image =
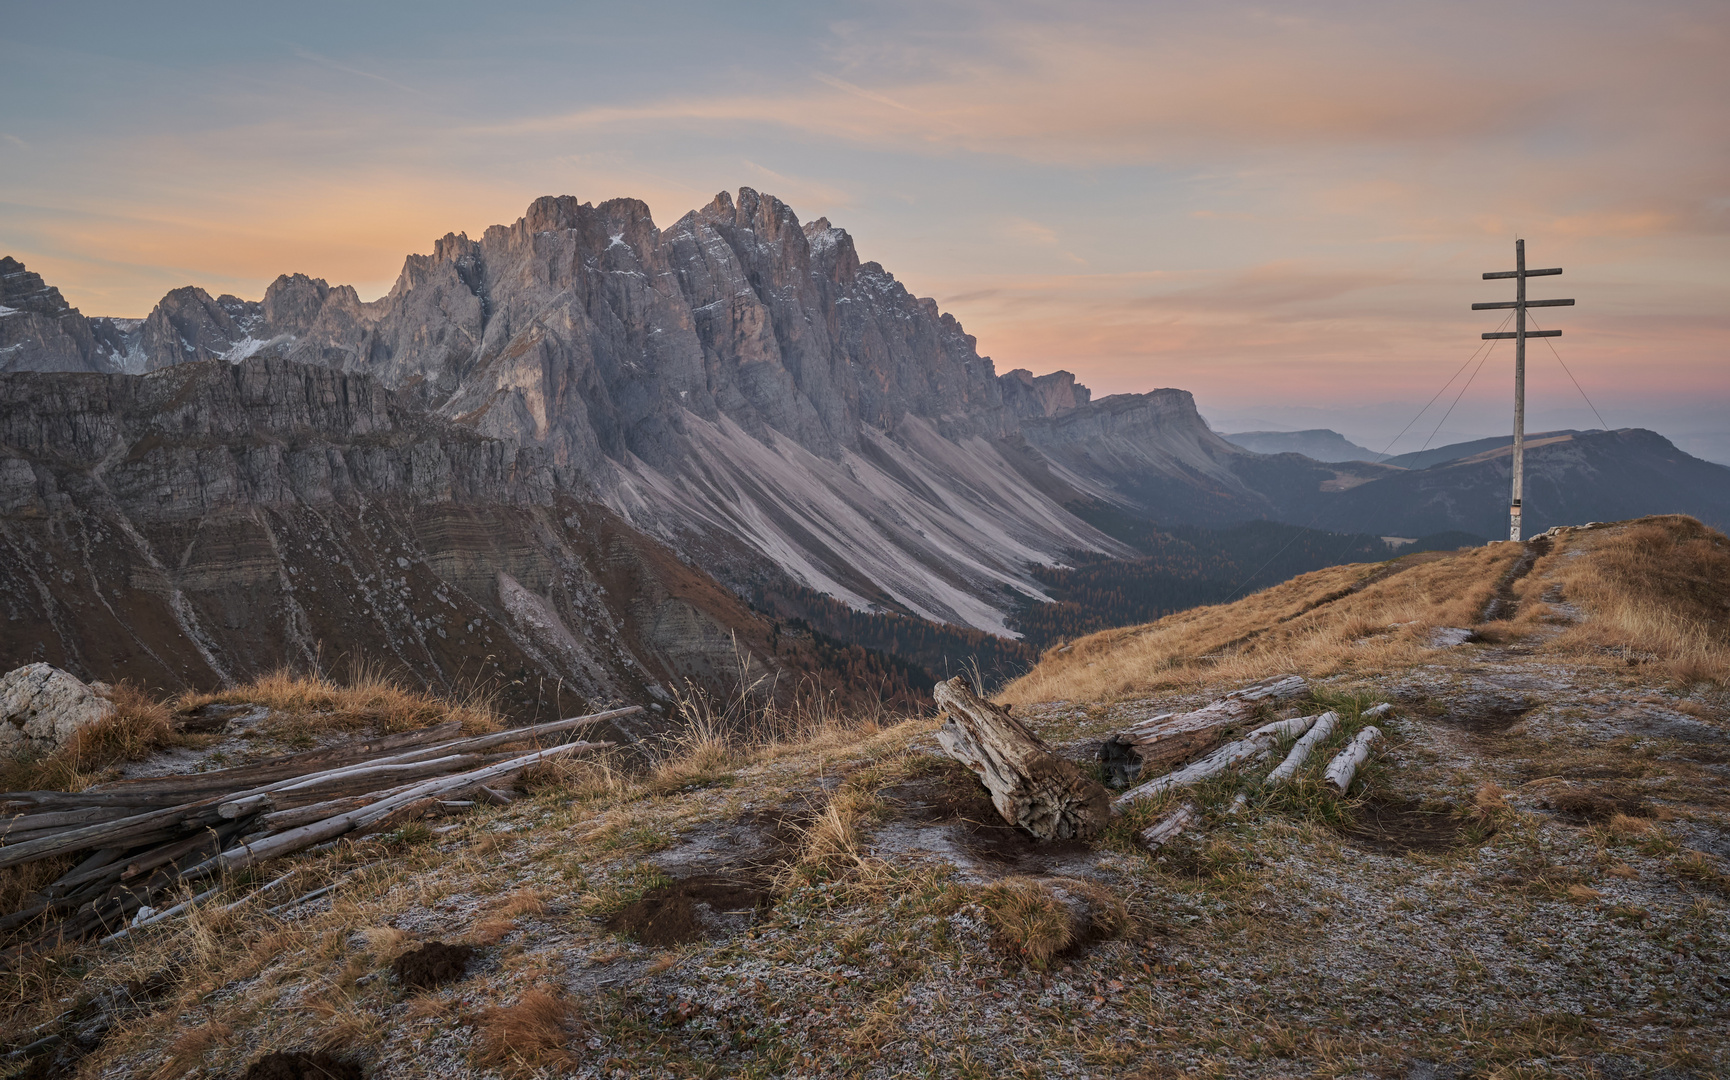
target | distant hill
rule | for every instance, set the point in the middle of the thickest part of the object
(1321, 444)
(1571, 478)
(1423, 459)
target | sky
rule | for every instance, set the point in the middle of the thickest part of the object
(1284, 209)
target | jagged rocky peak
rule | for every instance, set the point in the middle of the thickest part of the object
(186, 326)
(293, 301)
(40, 331)
(1027, 394)
(23, 290)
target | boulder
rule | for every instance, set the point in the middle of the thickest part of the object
(42, 707)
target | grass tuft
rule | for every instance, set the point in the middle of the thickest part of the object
(530, 1035)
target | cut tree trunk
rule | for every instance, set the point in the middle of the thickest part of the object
(1300, 751)
(1256, 742)
(1345, 764)
(1162, 742)
(1031, 787)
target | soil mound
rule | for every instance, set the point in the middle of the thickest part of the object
(1399, 827)
(687, 910)
(300, 1066)
(433, 964)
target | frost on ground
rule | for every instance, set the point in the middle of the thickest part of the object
(1532, 883)
(1530, 879)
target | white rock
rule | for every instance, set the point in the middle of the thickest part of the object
(42, 707)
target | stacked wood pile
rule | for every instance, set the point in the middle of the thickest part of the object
(147, 837)
(1161, 742)
(1053, 799)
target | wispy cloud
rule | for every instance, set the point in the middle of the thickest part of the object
(333, 65)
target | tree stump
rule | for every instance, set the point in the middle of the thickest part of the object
(1163, 742)
(1031, 787)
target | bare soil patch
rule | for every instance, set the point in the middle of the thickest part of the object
(301, 1066)
(1598, 804)
(1402, 826)
(1504, 604)
(953, 797)
(432, 965)
(1486, 714)
(697, 907)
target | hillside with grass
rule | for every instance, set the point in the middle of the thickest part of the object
(1530, 876)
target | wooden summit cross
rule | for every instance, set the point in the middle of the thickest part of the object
(1520, 334)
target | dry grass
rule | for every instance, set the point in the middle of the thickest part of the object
(1657, 587)
(138, 726)
(1362, 617)
(530, 1035)
(1029, 918)
(311, 703)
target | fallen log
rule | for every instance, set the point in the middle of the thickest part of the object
(19, 827)
(285, 843)
(1162, 742)
(1169, 826)
(297, 816)
(1030, 786)
(1256, 742)
(1345, 764)
(1300, 751)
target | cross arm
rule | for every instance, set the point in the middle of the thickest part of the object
(1528, 333)
(1523, 303)
(1517, 273)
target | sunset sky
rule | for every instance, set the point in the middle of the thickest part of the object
(1285, 209)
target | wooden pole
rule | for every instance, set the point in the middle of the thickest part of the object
(1514, 533)
(1520, 334)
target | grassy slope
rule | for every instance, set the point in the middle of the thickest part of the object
(1562, 914)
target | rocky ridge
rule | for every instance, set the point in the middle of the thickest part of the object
(210, 522)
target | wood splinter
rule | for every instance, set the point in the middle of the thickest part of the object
(1256, 742)
(1171, 825)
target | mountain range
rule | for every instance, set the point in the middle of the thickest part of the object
(1321, 444)
(587, 438)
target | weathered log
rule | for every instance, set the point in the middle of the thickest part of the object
(1345, 764)
(533, 731)
(252, 804)
(1030, 786)
(18, 827)
(160, 856)
(1256, 742)
(1377, 711)
(1162, 742)
(1300, 751)
(1169, 826)
(305, 836)
(297, 816)
(101, 834)
(289, 766)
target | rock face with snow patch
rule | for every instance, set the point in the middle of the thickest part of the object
(42, 708)
(40, 331)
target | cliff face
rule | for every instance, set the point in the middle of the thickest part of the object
(211, 522)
